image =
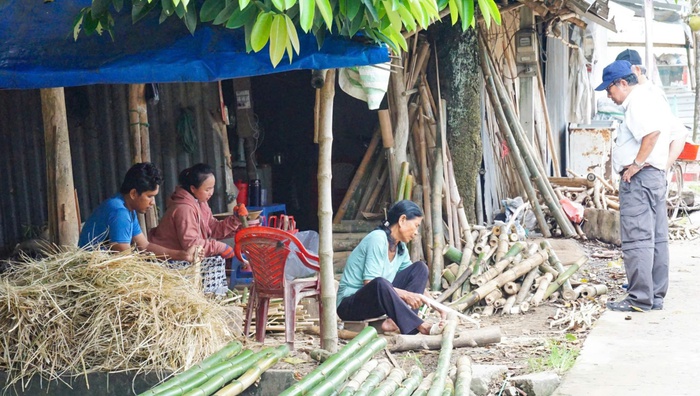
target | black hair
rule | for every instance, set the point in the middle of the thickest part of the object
(400, 208)
(142, 177)
(194, 176)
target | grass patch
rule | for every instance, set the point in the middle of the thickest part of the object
(560, 357)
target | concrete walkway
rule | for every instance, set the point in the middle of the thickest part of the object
(655, 353)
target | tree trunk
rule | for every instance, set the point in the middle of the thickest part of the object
(63, 217)
(460, 82)
(329, 328)
(462, 339)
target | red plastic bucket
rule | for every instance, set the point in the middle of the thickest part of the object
(242, 197)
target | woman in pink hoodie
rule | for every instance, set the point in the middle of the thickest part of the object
(189, 221)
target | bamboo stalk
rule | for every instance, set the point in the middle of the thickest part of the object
(427, 194)
(512, 145)
(594, 290)
(388, 144)
(391, 383)
(561, 280)
(401, 182)
(236, 387)
(411, 383)
(508, 306)
(355, 183)
(545, 280)
(436, 200)
(448, 334)
(500, 265)
(371, 185)
(359, 377)
(341, 373)
(536, 168)
(548, 127)
(374, 379)
(424, 386)
(464, 376)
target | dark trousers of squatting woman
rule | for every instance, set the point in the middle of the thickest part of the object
(378, 298)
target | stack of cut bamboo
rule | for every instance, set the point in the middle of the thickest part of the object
(590, 191)
(503, 273)
(275, 317)
(678, 231)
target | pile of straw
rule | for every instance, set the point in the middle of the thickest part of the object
(78, 312)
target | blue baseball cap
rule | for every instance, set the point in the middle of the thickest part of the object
(615, 71)
(630, 55)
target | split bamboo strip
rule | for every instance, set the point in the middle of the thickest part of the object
(520, 167)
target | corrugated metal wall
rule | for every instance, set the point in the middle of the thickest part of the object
(98, 123)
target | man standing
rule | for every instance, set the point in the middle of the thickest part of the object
(114, 223)
(640, 156)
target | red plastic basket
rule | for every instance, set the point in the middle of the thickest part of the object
(690, 152)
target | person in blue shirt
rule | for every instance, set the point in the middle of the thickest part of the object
(380, 279)
(115, 225)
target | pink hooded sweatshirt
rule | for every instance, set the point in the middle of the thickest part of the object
(188, 222)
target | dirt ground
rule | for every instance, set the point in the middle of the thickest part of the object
(527, 338)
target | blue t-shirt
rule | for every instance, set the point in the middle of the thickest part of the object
(111, 222)
(369, 260)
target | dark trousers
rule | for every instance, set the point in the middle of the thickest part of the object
(378, 298)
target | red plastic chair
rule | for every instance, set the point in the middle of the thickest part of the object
(266, 250)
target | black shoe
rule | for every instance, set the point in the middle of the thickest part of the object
(623, 306)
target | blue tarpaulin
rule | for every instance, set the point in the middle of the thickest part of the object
(38, 50)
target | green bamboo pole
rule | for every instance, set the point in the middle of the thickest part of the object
(322, 371)
(229, 350)
(464, 376)
(359, 377)
(564, 277)
(499, 266)
(424, 387)
(443, 367)
(390, 384)
(240, 360)
(408, 190)
(517, 158)
(237, 386)
(403, 172)
(221, 378)
(341, 373)
(374, 379)
(567, 290)
(449, 388)
(436, 208)
(411, 382)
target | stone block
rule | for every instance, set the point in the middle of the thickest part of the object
(537, 384)
(483, 375)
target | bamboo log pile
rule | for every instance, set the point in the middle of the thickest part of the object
(591, 191)
(275, 317)
(506, 276)
(678, 231)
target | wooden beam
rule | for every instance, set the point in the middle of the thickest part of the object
(63, 219)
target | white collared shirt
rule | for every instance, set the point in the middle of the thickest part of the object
(645, 112)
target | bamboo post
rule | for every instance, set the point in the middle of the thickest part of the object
(567, 290)
(400, 110)
(515, 151)
(436, 200)
(427, 194)
(548, 127)
(355, 183)
(63, 220)
(443, 367)
(401, 181)
(388, 144)
(329, 329)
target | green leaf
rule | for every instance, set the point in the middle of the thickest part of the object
(184, 3)
(210, 9)
(225, 14)
(243, 4)
(320, 35)
(324, 7)
(175, 2)
(289, 4)
(100, 6)
(395, 22)
(570, 337)
(495, 13)
(191, 17)
(240, 18)
(372, 11)
(454, 12)
(356, 24)
(279, 4)
(248, 29)
(408, 20)
(385, 39)
(289, 50)
(343, 7)
(430, 8)
(261, 31)
(180, 10)
(485, 12)
(352, 9)
(168, 7)
(397, 38)
(467, 13)
(292, 34)
(278, 39)
(78, 23)
(141, 8)
(89, 23)
(306, 14)
(417, 11)
(118, 4)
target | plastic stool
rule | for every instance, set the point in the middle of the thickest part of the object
(238, 276)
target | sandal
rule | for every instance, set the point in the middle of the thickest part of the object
(624, 306)
(437, 328)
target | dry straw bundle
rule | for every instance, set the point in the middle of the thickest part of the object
(84, 311)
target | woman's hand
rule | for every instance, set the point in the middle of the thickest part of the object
(412, 299)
